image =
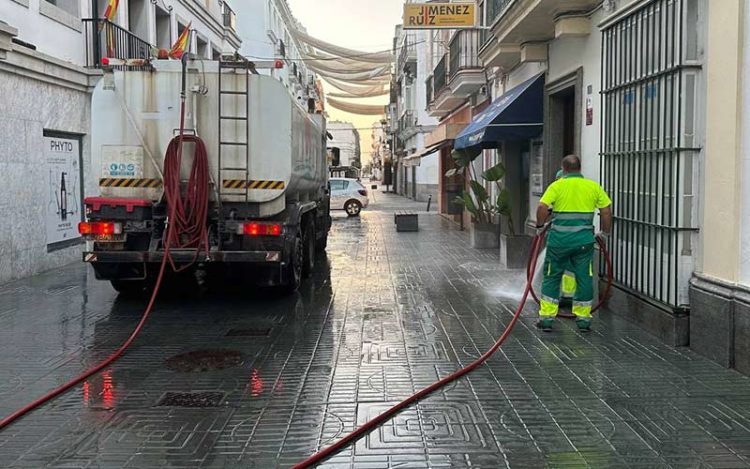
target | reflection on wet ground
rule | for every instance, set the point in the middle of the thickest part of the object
(250, 379)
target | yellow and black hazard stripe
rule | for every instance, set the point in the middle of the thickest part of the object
(263, 185)
(131, 183)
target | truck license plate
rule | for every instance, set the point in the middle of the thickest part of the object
(108, 238)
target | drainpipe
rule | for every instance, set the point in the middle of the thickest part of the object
(95, 33)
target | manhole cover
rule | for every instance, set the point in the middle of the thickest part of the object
(261, 332)
(204, 360)
(191, 399)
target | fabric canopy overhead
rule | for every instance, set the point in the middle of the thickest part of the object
(331, 66)
(517, 114)
(354, 92)
(358, 90)
(384, 57)
(361, 109)
(357, 87)
(368, 94)
(351, 77)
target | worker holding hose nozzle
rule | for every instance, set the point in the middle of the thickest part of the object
(568, 285)
(570, 243)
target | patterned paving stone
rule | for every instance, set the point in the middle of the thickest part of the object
(385, 314)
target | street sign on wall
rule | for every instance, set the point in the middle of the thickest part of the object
(440, 15)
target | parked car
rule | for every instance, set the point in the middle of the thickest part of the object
(348, 194)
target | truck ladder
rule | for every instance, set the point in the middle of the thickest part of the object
(236, 66)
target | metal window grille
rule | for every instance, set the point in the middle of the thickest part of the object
(648, 147)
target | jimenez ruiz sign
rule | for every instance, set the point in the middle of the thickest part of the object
(440, 15)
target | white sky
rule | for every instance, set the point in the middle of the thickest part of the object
(356, 24)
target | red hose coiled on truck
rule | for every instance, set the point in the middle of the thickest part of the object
(188, 213)
(186, 228)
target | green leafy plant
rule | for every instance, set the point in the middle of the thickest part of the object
(477, 202)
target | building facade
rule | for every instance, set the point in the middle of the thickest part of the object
(345, 144)
(416, 168)
(651, 95)
(266, 28)
(50, 52)
(455, 91)
(380, 149)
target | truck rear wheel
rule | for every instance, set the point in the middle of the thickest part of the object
(129, 287)
(293, 271)
(308, 240)
(322, 243)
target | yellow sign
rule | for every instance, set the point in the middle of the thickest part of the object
(440, 15)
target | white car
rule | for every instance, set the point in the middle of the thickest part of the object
(348, 194)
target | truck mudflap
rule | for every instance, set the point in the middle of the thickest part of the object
(183, 257)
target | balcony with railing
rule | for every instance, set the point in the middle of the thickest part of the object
(106, 39)
(407, 54)
(514, 23)
(458, 75)
(229, 17)
(440, 76)
(429, 88)
(407, 125)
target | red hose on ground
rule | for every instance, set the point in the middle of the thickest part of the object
(186, 229)
(352, 437)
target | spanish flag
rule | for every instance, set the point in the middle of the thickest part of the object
(111, 10)
(181, 45)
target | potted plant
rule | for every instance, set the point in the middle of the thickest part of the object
(484, 212)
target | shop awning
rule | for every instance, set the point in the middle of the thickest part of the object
(518, 114)
(414, 159)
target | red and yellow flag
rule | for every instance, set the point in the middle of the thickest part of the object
(181, 45)
(111, 10)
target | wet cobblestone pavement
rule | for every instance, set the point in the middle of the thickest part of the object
(273, 379)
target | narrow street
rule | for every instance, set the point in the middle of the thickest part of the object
(273, 379)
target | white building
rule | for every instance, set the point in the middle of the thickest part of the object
(345, 143)
(379, 149)
(49, 51)
(416, 170)
(266, 27)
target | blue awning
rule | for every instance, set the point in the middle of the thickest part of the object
(518, 114)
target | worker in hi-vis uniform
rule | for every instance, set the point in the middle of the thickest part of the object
(568, 285)
(570, 242)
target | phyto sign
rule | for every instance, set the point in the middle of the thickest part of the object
(440, 15)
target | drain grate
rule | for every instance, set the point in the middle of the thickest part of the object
(191, 399)
(257, 332)
(204, 360)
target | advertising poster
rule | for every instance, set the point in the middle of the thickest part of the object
(63, 158)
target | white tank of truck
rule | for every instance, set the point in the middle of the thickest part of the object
(264, 148)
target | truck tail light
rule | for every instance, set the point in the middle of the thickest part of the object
(99, 228)
(261, 229)
(363, 192)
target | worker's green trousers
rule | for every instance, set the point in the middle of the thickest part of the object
(577, 259)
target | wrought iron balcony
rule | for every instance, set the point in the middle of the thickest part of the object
(229, 17)
(407, 125)
(440, 76)
(408, 54)
(106, 39)
(494, 9)
(429, 87)
(458, 74)
(464, 50)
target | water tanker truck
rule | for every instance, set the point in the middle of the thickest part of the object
(267, 190)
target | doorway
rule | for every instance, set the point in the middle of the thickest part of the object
(562, 129)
